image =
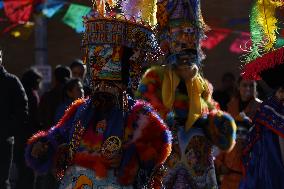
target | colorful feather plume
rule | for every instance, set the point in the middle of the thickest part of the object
(130, 8)
(148, 11)
(141, 9)
(263, 26)
(267, 21)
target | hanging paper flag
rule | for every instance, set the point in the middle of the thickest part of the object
(51, 7)
(23, 31)
(18, 11)
(74, 16)
(8, 28)
(214, 37)
(50, 12)
(241, 43)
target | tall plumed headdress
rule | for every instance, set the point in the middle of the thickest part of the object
(265, 58)
(119, 40)
(180, 30)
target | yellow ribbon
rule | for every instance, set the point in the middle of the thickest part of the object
(196, 88)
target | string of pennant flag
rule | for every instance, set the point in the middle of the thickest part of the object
(18, 13)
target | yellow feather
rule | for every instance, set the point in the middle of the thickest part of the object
(266, 19)
(148, 11)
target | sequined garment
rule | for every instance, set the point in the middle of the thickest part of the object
(262, 157)
(190, 164)
(80, 144)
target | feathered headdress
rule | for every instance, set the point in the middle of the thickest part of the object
(119, 40)
(265, 57)
(263, 27)
(144, 10)
(180, 28)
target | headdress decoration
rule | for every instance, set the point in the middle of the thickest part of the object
(180, 27)
(143, 9)
(263, 26)
(188, 56)
(115, 41)
(266, 57)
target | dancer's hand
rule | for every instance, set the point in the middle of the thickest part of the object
(39, 149)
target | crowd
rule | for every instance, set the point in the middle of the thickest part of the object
(106, 123)
(26, 110)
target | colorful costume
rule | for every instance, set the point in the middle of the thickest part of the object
(185, 104)
(190, 164)
(263, 156)
(109, 125)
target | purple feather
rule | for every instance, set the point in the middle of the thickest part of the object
(130, 8)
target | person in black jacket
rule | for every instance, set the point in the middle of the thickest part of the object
(13, 117)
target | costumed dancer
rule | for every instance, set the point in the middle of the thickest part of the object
(182, 96)
(264, 153)
(107, 140)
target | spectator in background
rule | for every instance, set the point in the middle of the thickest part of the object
(47, 108)
(244, 103)
(72, 91)
(78, 69)
(31, 80)
(227, 90)
(53, 98)
(245, 99)
(13, 119)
